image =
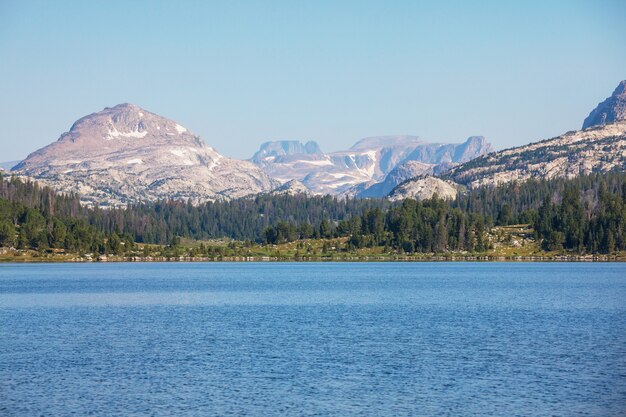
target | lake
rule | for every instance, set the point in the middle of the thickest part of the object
(202, 339)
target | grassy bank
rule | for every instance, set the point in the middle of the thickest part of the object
(509, 243)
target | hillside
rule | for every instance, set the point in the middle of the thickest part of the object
(597, 149)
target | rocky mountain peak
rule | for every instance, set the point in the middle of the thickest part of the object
(127, 122)
(127, 154)
(477, 141)
(285, 148)
(474, 146)
(292, 187)
(611, 110)
(620, 90)
(126, 106)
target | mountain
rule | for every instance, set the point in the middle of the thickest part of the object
(600, 147)
(125, 154)
(367, 163)
(424, 188)
(611, 110)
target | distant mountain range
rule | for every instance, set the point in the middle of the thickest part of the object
(370, 168)
(125, 154)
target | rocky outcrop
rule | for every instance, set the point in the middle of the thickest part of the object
(293, 187)
(613, 109)
(125, 154)
(425, 188)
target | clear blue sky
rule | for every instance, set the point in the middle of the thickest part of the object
(239, 73)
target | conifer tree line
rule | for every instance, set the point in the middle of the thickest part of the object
(586, 214)
(32, 217)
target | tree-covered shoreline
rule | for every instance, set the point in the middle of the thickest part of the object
(585, 215)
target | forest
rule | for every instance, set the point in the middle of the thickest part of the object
(32, 217)
(584, 215)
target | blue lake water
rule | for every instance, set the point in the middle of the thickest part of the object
(202, 339)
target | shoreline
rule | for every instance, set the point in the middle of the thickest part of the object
(355, 259)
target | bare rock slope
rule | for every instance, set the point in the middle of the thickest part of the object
(424, 188)
(293, 187)
(125, 154)
(597, 149)
(613, 109)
